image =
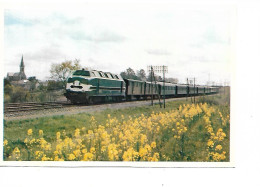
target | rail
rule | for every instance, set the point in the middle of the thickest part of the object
(30, 106)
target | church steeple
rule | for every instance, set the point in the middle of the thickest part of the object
(22, 66)
(22, 74)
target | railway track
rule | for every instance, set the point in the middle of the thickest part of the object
(14, 111)
(32, 106)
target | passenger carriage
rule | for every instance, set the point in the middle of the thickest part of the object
(170, 89)
(200, 90)
(181, 90)
(192, 90)
(134, 89)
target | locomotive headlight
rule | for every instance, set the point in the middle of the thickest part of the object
(76, 83)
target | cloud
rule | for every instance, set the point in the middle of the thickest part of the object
(113, 38)
(47, 53)
(104, 36)
(158, 52)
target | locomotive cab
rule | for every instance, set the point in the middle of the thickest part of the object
(94, 86)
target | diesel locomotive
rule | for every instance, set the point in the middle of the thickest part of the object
(92, 86)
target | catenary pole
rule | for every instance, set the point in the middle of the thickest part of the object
(163, 88)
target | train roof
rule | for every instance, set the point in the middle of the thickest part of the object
(166, 84)
(133, 80)
(96, 74)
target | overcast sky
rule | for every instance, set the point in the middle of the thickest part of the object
(193, 41)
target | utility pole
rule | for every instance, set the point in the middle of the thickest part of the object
(163, 87)
(159, 69)
(194, 90)
(187, 89)
(152, 84)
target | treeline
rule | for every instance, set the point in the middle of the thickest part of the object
(36, 92)
(141, 75)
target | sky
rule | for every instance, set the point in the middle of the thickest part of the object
(193, 41)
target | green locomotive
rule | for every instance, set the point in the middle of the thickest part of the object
(91, 86)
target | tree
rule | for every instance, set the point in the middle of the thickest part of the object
(33, 83)
(54, 85)
(172, 80)
(141, 74)
(154, 77)
(6, 82)
(129, 74)
(60, 72)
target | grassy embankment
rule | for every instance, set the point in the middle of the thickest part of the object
(181, 132)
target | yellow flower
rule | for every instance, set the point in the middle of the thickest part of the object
(32, 141)
(29, 132)
(142, 152)
(92, 150)
(58, 135)
(130, 155)
(59, 148)
(25, 141)
(71, 157)
(16, 153)
(5, 142)
(84, 151)
(38, 154)
(77, 153)
(44, 158)
(210, 143)
(155, 157)
(40, 132)
(87, 157)
(153, 145)
(218, 148)
(77, 133)
(16, 150)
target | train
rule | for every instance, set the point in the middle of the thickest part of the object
(92, 86)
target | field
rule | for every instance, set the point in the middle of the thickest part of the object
(184, 131)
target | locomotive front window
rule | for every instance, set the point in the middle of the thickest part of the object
(70, 80)
(106, 75)
(82, 73)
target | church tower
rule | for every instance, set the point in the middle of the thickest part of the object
(22, 74)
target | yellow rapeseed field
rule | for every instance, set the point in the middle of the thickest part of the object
(163, 136)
